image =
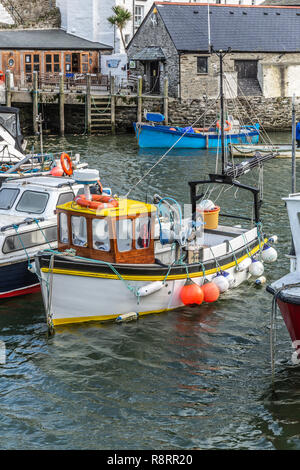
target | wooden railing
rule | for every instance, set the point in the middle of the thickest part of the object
(72, 82)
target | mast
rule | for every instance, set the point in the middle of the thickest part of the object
(293, 146)
(222, 112)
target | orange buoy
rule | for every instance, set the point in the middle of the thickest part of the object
(66, 167)
(211, 292)
(57, 171)
(172, 129)
(191, 293)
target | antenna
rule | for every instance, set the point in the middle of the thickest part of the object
(208, 23)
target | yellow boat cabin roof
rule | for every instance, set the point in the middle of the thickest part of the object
(126, 207)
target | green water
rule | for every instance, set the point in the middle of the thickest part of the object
(195, 378)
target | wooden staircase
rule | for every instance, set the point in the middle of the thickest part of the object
(101, 114)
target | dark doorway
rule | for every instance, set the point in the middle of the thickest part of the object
(154, 77)
(76, 63)
(247, 82)
(246, 68)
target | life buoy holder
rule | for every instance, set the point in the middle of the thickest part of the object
(67, 168)
(97, 202)
(226, 129)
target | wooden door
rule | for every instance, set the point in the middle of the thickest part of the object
(154, 77)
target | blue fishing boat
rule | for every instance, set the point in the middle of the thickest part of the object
(156, 135)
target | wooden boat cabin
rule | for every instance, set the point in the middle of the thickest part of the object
(122, 234)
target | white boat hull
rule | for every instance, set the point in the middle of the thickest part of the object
(79, 298)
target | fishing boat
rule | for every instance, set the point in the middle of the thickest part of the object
(242, 151)
(28, 224)
(135, 258)
(153, 134)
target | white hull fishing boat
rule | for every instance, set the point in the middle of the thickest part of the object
(130, 259)
(281, 150)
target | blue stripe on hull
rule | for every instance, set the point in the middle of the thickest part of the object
(16, 276)
(159, 137)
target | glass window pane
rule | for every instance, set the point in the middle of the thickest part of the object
(85, 58)
(63, 228)
(7, 198)
(124, 234)
(29, 239)
(64, 198)
(79, 231)
(48, 58)
(36, 58)
(201, 64)
(56, 57)
(28, 68)
(142, 232)
(36, 67)
(48, 68)
(101, 239)
(28, 58)
(68, 67)
(56, 67)
(33, 202)
(85, 67)
(68, 57)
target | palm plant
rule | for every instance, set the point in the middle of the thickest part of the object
(120, 19)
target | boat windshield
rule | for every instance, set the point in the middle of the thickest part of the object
(33, 202)
(8, 197)
(10, 122)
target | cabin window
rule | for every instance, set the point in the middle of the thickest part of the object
(101, 239)
(79, 230)
(202, 65)
(64, 198)
(29, 239)
(63, 228)
(8, 197)
(33, 202)
(142, 232)
(124, 234)
(84, 63)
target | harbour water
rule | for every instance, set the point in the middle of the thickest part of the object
(195, 378)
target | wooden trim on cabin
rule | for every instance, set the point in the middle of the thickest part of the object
(134, 256)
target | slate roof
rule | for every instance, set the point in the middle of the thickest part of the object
(149, 53)
(243, 28)
(54, 39)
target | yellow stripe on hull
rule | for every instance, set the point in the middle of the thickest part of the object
(64, 321)
(68, 272)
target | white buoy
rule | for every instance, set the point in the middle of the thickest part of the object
(230, 278)
(269, 254)
(221, 282)
(150, 288)
(243, 265)
(126, 317)
(260, 280)
(273, 239)
(256, 268)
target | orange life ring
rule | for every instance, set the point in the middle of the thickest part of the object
(226, 129)
(67, 169)
(98, 201)
(2, 77)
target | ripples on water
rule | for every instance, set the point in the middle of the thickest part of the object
(195, 378)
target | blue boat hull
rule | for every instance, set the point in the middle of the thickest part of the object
(16, 279)
(162, 137)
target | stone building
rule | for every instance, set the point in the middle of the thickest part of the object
(175, 40)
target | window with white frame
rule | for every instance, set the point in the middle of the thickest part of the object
(138, 15)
